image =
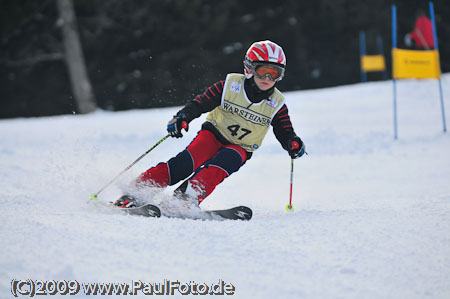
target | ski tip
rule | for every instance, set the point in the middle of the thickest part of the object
(147, 210)
(236, 213)
(244, 213)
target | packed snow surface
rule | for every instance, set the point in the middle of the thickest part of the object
(371, 219)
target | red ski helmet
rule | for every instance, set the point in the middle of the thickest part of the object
(265, 53)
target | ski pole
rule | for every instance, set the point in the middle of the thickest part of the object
(290, 207)
(94, 195)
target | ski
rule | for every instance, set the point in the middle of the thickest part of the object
(151, 210)
(236, 213)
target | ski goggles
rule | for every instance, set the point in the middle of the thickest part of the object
(272, 71)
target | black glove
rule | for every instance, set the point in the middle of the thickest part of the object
(177, 123)
(296, 148)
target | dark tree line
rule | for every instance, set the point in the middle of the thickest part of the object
(155, 53)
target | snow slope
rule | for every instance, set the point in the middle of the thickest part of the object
(371, 219)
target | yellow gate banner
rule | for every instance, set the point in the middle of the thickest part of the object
(418, 64)
(372, 63)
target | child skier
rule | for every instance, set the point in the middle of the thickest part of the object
(241, 109)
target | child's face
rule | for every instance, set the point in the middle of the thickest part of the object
(264, 84)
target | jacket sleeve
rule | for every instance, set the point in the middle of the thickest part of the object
(205, 102)
(282, 127)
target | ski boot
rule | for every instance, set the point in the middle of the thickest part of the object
(187, 195)
(125, 202)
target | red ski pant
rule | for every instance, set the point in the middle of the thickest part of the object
(206, 160)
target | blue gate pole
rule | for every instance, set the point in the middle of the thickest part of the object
(437, 49)
(362, 52)
(394, 45)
